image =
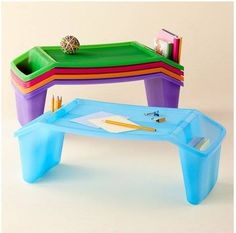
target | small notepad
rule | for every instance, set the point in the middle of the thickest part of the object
(200, 143)
(84, 120)
(100, 122)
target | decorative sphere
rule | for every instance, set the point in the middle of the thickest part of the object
(70, 44)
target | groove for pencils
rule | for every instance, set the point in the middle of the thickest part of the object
(145, 128)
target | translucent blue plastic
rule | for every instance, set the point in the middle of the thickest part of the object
(41, 140)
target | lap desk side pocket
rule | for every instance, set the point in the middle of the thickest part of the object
(41, 140)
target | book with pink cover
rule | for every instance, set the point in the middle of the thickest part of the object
(171, 38)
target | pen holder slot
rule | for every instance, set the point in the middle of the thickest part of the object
(32, 61)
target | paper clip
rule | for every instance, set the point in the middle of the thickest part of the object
(155, 113)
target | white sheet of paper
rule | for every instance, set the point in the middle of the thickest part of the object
(100, 122)
(84, 120)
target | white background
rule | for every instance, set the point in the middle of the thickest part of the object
(117, 186)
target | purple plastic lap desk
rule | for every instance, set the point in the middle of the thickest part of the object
(160, 91)
(41, 140)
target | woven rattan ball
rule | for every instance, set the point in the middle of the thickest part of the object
(70, 44)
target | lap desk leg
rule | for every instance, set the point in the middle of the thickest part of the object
(40, 151)
(162, 93)
(200, 174)
(29, 108)
(200, 168)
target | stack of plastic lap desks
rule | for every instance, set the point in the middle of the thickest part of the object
(41, 140)
(42, 67)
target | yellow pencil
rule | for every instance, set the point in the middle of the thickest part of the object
(145, 128)
(52, 104)
(60, 102)
(56, 104)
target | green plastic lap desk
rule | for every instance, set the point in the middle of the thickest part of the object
(41, 59)
(41, 140)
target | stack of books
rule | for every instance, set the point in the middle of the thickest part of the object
(168, 45)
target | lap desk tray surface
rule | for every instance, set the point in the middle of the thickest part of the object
(41, 140)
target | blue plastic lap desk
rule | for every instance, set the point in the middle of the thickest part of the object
(41, 140)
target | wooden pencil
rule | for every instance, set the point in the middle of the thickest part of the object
(56, 104)
(145, 128)
(52, 104)
(60, 102)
